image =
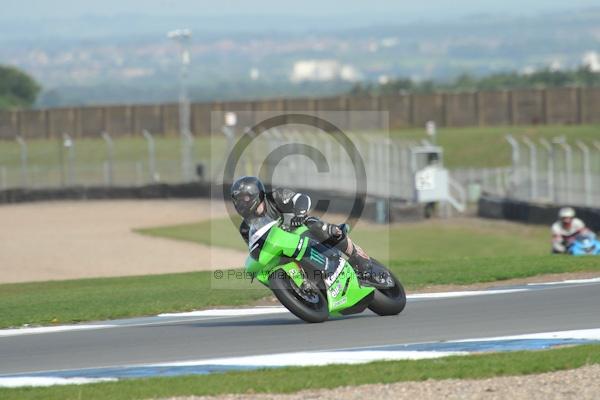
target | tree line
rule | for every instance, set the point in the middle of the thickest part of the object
(17, 88)
(582, 76)
(20, 90)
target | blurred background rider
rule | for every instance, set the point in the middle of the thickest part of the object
(566, 229)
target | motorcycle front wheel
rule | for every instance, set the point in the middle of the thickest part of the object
(308, 303)
(389, 301)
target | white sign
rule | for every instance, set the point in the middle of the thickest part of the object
(430, 128)
(230, 119)
(425, 179)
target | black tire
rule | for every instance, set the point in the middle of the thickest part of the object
(388, 301)
(288, 293)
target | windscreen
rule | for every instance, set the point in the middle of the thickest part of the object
(259, 226)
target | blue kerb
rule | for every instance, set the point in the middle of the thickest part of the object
(155, 371)
(481, 346)
(139, 372)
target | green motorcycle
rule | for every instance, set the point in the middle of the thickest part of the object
(314, 281)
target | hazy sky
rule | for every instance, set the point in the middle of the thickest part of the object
(370, 10)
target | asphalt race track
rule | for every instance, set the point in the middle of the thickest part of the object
(177, 338)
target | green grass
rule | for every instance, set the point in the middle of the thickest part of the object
(286, 380)
(47, 158)
(47, 152)
(467, 271)
(487, 146)
(110, 298)
(463, 147)
(431, 253)
(436, 239)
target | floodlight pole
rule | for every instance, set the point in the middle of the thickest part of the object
(182, 37)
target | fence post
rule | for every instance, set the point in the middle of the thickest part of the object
(499, 186)
(109, 172)
(69, 144)
(515, 156)
(550, 172)
(187, 143)
(587, 174)
(3, 178)
(154, 177)
(562, 142)
(596, 144)
(139, 171)
(24, 161)
(532, 166)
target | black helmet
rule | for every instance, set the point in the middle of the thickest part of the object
(247, 193)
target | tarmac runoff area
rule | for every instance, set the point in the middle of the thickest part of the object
(528, 317)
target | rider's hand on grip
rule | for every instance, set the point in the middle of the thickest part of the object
(290, 220)
(297, 220)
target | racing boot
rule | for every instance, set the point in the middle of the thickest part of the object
(363, 266)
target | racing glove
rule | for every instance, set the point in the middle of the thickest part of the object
(292, 220)
(297, 220)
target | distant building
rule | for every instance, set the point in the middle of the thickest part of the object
(555, 65)
(323, 70)
(254, 73)
(591, 59)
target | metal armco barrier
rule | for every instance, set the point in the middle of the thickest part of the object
(532, 213)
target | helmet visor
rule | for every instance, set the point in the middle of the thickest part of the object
(245, 204)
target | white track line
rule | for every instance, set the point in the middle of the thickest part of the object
(273, 360)
(308, 358)
(369, 354)
(234, 312)
(591, 280)
(49, 381)
(243, 312)
(583, 334)
(448, 295)
(51, 329)
(314, 358)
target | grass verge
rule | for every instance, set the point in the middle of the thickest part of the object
(285, 380)
(435, 239)
(110, 298)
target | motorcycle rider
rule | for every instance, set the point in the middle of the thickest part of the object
(251, 199)
(566, 229)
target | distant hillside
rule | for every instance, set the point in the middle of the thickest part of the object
(125, 59)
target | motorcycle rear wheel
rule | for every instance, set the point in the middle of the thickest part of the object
(310, 306)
